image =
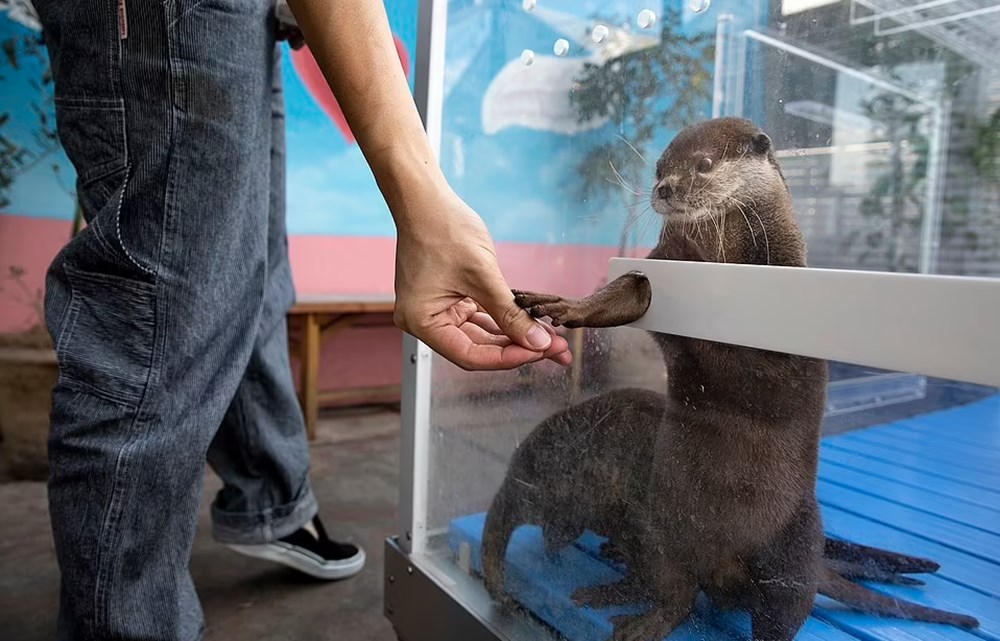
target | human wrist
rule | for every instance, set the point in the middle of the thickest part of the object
(414, 188)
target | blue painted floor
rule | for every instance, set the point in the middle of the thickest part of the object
(927, 486)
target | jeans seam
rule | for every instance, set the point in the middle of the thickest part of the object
(116, 503)
(69, 323)
(118, 220)
(186, 11)
(103, 242)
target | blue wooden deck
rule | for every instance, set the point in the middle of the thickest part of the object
(928, 486)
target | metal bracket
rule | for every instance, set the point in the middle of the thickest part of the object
(445, 604)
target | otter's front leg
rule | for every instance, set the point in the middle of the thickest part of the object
(622, 301)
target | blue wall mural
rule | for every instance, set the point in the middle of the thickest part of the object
(510, 142)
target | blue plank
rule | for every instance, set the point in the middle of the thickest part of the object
(969, 434)
(953, 471)
(936, 435)
(983, 518)
(983, 414)
(941, 431)
(986, 499)
(544, 585)
(983, 461)
(930, 526)
(975, 423)
(956, 566)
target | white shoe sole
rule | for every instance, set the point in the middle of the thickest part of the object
(304, 561)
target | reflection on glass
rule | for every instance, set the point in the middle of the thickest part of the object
(884, 123)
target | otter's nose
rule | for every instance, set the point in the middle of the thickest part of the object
(665, 191)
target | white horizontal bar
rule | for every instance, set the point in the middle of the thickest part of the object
(880, 14)
(930, 22)
(943, 326)
(836, 66)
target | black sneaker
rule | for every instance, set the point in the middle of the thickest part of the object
(311, 551)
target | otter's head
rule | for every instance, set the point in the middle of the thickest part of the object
(713, 166)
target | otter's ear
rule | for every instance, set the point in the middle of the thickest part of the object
(761, 143)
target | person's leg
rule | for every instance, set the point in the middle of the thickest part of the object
(164, 109)
(261, 451)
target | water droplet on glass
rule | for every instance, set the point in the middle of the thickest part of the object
(561, 47)
(528, 57)
(700, 5)
(528, 5)
(646, 19)
(599, 34)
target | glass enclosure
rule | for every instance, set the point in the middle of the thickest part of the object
(884, 117)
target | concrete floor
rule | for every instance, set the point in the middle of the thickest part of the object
(355, 461)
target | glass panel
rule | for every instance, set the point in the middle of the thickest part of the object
(907, 464)
(884, 124)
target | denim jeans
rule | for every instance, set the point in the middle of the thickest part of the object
(168, 310)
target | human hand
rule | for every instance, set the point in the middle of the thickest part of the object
(451, 295)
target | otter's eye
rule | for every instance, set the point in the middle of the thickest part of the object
(704, 165)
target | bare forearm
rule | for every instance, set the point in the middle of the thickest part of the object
(352, 44)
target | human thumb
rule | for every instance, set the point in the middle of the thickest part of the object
(513, 321)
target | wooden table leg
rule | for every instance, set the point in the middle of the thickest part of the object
(310, 373)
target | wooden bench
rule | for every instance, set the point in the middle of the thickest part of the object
(322, 316)
(325, 315)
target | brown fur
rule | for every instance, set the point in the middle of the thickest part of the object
(731, 505)
(580, 469)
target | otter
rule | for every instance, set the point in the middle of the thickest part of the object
(581, 467)
(731, 507)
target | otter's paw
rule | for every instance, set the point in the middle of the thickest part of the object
(613, 552)
(495, 588)
(561, 311)
(526, 300)
(503, 600)
(651, 626)
(602, 596)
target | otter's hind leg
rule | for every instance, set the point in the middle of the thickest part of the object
(622, 301)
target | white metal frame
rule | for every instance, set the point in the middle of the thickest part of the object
(942, 326)
(415, 401)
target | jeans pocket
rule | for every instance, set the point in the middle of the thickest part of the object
(105, 346)
(92, 132)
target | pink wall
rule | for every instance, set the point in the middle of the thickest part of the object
(322, 264)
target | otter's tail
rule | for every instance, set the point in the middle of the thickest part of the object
(876, 559)
(502, 519)
(870, 602)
